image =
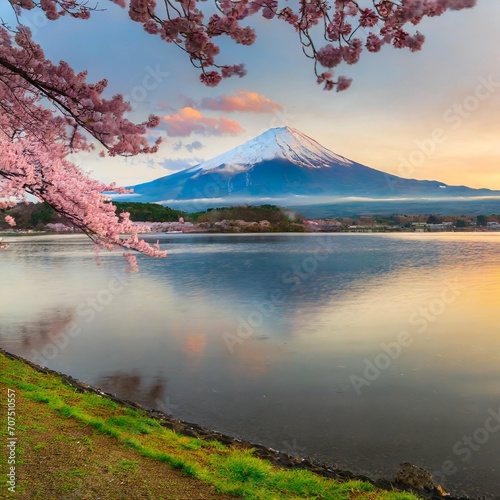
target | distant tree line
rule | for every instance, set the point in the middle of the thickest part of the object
(248, 213)
(148, 212)
(32, 216)
(35, 216)
(408, 220)
(280, 219)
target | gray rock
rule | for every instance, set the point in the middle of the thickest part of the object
(415, 477)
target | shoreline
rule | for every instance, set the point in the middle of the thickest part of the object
(278, 458)
(28, 233)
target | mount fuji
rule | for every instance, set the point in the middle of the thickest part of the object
(286, 167)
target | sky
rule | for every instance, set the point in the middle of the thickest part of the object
(433, 115)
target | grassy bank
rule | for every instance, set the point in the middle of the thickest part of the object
(71, 444)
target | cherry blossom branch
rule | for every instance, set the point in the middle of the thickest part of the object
(187, 26)
(35, 140)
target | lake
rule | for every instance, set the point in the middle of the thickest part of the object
(361, 350)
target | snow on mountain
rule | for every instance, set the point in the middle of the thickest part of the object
(277, 143)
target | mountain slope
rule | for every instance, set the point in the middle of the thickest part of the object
(284, 163)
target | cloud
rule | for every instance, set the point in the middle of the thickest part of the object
(194, 145)
(189, 147)
(189, 120)
(186, 102)
(176, 164)
(164, 106)
(243, 101)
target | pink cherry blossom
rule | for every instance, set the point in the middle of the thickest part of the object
(329, 56)
(343, 83)
(10, 220)
(373, 43)
(211, 79)
(368, 18)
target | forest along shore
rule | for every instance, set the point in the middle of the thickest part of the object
(39, 217)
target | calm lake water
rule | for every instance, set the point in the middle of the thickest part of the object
(360, 350)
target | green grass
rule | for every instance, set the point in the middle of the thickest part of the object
(127, 465)
(232, 470)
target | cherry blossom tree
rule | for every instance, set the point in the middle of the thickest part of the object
(48, 111)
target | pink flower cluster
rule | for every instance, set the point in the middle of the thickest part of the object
(49, 111)
(386, 19)
(10, 220)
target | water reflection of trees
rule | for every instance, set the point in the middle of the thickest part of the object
(49, 327)
(135, 387)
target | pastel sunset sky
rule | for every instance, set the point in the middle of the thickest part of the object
(429, 115)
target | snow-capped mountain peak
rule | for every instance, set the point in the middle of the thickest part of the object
(277, 143)
(280, 166)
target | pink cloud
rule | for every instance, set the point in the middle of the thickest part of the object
(241, 100)
(164, 106)
(189, 120)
